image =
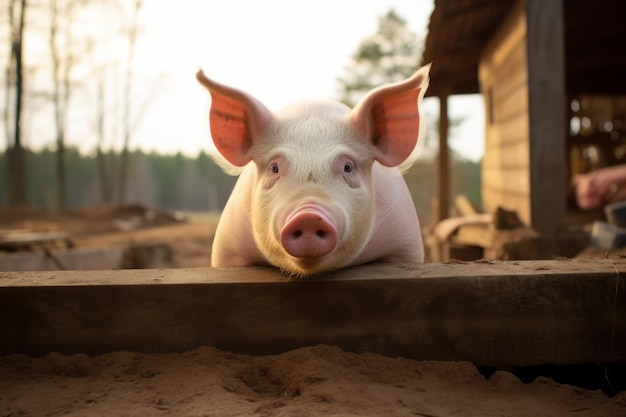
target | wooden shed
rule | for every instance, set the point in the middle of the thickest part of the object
(552, 77)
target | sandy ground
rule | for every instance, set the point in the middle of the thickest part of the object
(314, 381)
(187, 236)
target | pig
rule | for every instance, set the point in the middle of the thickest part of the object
(321, 186)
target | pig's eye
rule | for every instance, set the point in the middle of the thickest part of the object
(274, 170)
(345, 167)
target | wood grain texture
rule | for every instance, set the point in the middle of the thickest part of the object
(504, 82)
(495, 314)
(547, 121)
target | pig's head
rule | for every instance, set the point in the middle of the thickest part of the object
(312, 201)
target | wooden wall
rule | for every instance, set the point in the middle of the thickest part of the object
(503, 74)
(522, 78)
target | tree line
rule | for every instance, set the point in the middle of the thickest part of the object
(175, 182)
(180, 182)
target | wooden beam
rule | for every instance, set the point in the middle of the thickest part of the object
(547, 114)
(490, 313)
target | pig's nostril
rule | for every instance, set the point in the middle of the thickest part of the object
(320, 233)
(297, 233)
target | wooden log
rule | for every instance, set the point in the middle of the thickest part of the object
(464, 206)
(20, 239)
(491, 313)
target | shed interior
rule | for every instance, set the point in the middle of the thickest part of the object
(594, 58)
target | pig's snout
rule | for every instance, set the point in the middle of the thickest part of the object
(309, 234)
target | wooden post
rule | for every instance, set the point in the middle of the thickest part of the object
(443, 178)
(547, 115)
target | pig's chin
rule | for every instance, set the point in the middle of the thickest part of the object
(307, 267)
(310, 267)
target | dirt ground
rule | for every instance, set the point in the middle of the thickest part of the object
(187, 236)
(312, 381)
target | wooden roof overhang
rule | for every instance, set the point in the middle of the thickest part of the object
(595, 44)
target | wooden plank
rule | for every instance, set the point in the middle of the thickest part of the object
(494, 314)
(513, 154)
(513, 72)
(512, 105)
(18, 239)
(446, 228)
(515, 131)
(513, 179)
(464, 206)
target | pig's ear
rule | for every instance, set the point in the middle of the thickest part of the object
(390, 117)
(236, 120)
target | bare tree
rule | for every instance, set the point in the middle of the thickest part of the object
(64, 57)
(133, 29)
(104, 173)
(117, 110)
(71, 42)
(101, 76)
(16, 159)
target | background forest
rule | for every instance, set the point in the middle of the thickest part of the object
(178, 182)
(62, 176)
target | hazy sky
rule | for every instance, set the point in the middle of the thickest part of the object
(279, 51)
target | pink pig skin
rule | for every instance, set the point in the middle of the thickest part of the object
(320, 187)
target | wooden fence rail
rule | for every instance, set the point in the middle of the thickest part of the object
(491, 313)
